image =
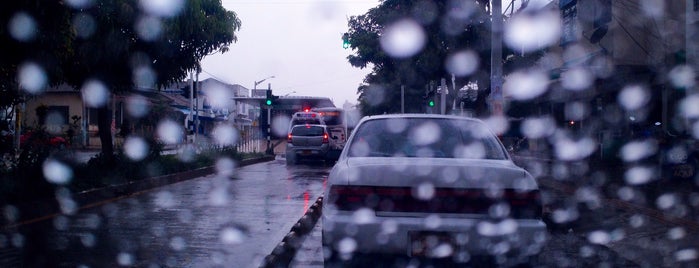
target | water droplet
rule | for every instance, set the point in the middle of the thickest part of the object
(637, 150)
(538, 127)
(676, 233)
(373, 95)
(389, 226)
(165, 199)
(60, 223)
(88, 240)
(23, 27)
(425, 134)
(568, 150)
(280, 125)
(496, 123)
(84, 25)
(577, 79)
(56, 172)
(225, 135)
(364, 216)
(149, 28)
(462, 63)
(170, 132)
(526, 85)
(162, 8)
(78, 4)
(95, 94)
(403, 39)
(11, 213)
(144, 77)
(685, 255)
(682, 76)
(135, 148)
(232, 236)
(527, 33)
(474, 150)
(666, 201)
(689, 106)
(425, 191)
(599, 237)
(32, 78)
(433, 221)
(639, 175)
(347, 245)
(633, 97)
(125, 259)
(137, 106)
(225, 167)
(653, 8)
(178, 243)
(218, 96)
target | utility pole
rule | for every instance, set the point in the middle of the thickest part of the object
(269, 124)
(191, 105)
(443, 97)
(496, 98)
(402, 99)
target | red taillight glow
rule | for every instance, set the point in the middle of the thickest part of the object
(288, 137)
(445, 200)
(325, 138)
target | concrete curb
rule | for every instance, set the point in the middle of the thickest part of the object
(285, 251)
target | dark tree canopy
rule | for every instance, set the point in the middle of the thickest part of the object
(120, 43)
(450, 27)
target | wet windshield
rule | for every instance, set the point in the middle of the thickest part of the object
(158, 133)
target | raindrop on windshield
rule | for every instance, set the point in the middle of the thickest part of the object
(232, 236)
(135, 148)
(633, 97)
(125, 259)
(84, 25)
(32, 78)
(95, 94)
(170, 132)
(137, 106)
(225, 135)
(462, 63)
(526, 85)
(403, 39)
(529, 33)
(682, 77)
(178, 243)
(149, 28)
(163, 8)
(599, 237)
(57, 172)
(23, 27)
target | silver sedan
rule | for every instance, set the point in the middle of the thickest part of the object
(432, 187)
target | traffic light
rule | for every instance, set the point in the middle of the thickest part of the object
(268, 98)
(345, 41)
(429, 98)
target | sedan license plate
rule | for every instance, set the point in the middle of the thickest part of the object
(306, 152)
(431, 244)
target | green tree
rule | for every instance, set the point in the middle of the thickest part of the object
(131, 48)
(450, 27)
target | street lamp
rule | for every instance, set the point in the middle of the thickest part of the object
(259, 82)
(287, 94)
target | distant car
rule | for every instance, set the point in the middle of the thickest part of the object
(430, 186)
(303, 118)
(42, 138)
(307, 142)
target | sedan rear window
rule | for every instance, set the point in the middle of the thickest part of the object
(425, 137)
(307, 131)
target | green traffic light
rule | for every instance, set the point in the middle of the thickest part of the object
(268, 102)
(345, 45)
(431, 103)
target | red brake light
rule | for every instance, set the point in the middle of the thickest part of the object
(288, 137)
(325, 138)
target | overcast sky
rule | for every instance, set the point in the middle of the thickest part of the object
(297, 41)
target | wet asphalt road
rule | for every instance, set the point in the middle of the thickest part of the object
(211, 221)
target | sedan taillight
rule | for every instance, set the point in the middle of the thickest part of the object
(325, 138)
(523, 205)
(288, 137)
